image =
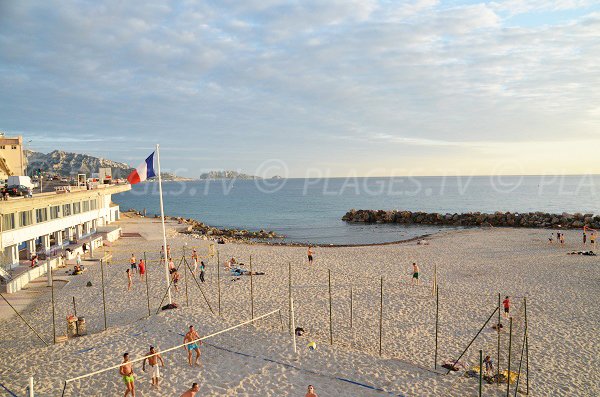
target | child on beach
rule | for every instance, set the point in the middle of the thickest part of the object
(129, 279)
(311, 392)
(489, 366)
(506, 304)
(593, 239)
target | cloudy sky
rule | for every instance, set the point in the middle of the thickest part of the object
(339, 87)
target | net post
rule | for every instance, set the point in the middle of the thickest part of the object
(480, 372)
(527, 364)
(381, 316)
(187, 300)
(147, 287)
(290, 296)
(509, 352)
(351, 306)
(293, 325)
(251, 291)
(75, 313)
(437, 310)
(103, 294)
(330, 313)
(219, 282)
(53, 308)
(280, 320)
(498, 329)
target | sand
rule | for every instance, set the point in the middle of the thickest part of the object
(473, 266)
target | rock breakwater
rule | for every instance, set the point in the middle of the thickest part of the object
(506, 219)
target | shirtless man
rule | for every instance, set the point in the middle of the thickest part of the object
(191, 392)
(153, 362)
(132, 262)
(191, 336)
(310, 255)
(415, 274)
(126, 372)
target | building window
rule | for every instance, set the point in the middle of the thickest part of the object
(26, 218)
(14, 147)
(66, 209)
(8, 221)
(93, 205)
(86, 206)
(76, 208)
(54, 212)
(41, 215)
(2, 147)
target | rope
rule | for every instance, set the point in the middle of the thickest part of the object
(170, 349)
(8, 391)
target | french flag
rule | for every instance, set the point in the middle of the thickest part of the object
(143, 171)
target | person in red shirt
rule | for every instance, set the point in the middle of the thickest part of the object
(506, 304)
(142, 268)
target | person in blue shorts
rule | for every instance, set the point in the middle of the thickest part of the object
(193, 337)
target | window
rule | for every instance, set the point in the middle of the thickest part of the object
(41, 215)
(2, 147)
(93, 205)
(66, 209)
(86, 206)
(14, 147)
(54, 212)
(8, 221)
(76, 208)
(26, 218)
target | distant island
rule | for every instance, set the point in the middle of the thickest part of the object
(211, 175)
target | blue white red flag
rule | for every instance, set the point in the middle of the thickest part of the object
(143, 171)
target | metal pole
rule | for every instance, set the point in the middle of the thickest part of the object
(280, 320)
(480, 372)
(64, 389)
(187, 300)
(290, 295)
(53, 310)
(75, 312)
(103, 294)
(509, 351)
(473, 340)
(147, 287)
(21, 317)
(199, 287)
(521, 361)
(381, 316)
(498, 329)
(219, 282)
(351, 303)
(437, 310)
(527, 364)
(162, 220)
(293, 324)
(330, 314)
(251, 291)
(31, 386)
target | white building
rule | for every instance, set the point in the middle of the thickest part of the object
(52, 221)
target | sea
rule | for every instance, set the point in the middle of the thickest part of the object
(310, 210)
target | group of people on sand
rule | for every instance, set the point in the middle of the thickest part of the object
(135, 267)
(191, 343)
(560, 238)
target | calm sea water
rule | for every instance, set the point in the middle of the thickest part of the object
(307, 210)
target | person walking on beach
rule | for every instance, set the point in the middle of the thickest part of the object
(506, 304)
(78, 260)
(415, 274)
(126, 372)
(129, 279)
(311, 392)
(192, 391)
(551, 238)
(84, 248)
(195, 254)
(168, 250)
(153, 362)
(202, 267)
(593, 240)
(195, 265)
(175, 277)
(584, 238)
(162, 255)
(310, 255)
(193, 337)
(142, 269)
(171, 266)
(562, 239)
(489, 366)
(132, 263)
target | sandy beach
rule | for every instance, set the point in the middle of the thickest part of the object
(473, 266)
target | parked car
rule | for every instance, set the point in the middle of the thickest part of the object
(17, 190)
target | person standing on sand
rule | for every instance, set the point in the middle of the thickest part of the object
(311, 392)
(310, 255)
(415, 274)
(192, 336)
(202, 267)
(551, 238)
(506, 304)
(195, 265)
(489, 366)
(132, 263)
(162, 254)
(171, 266)
(142, 268)
(78, 260)
(168, 250)
(584, 238)
(126, 372)
(129, 279)
(153, 362)
(562, 239)
(175, 276)
(195, 254)
(191, 392)
(593, 240)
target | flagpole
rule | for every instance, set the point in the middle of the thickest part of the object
(162, 220)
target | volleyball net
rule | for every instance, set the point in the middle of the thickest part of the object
(68, 382)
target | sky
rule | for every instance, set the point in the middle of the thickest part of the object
(308, 88)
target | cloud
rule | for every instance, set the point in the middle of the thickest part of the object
(272, 78)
